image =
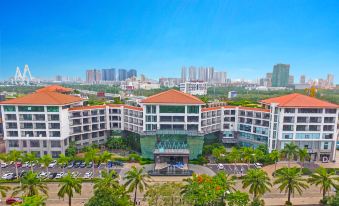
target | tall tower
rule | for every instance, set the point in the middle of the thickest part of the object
(280, 76)
(183, 74)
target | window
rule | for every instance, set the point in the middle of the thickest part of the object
(330, 111)
(34, 143)
(287, 127)
(151, 109)
(13, 143)
(328, 136)
(287, 136)
(52, 109)
(9, 108)
(310, 110)
(193, 109)
(31, 109)
(289, 110)
(288, 119)
(10, 117)
(172, 109)
(307, 136)
(55, 143)
(302, 119)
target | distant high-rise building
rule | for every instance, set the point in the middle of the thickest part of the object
(220, 77)
(330, 79)
(93, 76)
(58, 78)
(108, 74)
(132, 73)
(192, 73)
(291, 79)
(280, 76)
(183, 74)
(302, 79)
(268, 79)
(122, 74)
(210, 74)
(202, 74)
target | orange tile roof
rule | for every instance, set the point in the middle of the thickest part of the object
(115, 105)
(133, 108)
(55, 88)
(299, 100)
(173, 96)
(43, 98)
(210, 109)
(87, 107)
(255, 109)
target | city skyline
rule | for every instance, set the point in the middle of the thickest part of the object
(244, 40)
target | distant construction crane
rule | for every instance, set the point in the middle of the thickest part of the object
(24, 78)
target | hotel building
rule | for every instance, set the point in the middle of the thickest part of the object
(171, 126)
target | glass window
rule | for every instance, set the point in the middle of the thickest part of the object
(172, 109)
(9, 108)
(52, 109)
(31, 109)
(193, 109)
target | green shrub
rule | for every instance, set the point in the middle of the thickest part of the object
(134, 157)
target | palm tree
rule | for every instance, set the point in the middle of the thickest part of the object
(326, 180)
(3, 190)
(62, 160)
(108, 180)
(91, 156)
(46, 160)
(275, 156)
(15, 156)
(30, 185)
(303, 155)
(289, 181)
(234, 156)
(136, 179)
(247, 154)
(258, 181)
(36, 200)
(290, 151)
(225, 181)
(69, 185)
(105, 157)
(30, 157)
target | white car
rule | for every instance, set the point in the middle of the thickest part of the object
(258, 165)
(88, 175)
(59, 175)
(24, 165)
(52, 164)
(43, 174)
(3, 164)
(8, 176)
(75, 174)
(220, 166)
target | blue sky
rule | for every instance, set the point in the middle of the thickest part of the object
(243, 38)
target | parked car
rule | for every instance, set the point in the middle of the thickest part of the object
(43, 174)
(52, 164)
(70, 164)
(12, 200)
(77, 164)
(22, 173)
(258, 165)
(83, 164)
(220, 166)
(75, 174)
(88, 175)
(25, 165)
(90, 165)
(8, 176)
(3, 165)
(59, 175)
(52, 175)
(18, 164)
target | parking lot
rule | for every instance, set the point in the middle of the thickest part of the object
(238, 169)
(56, 171)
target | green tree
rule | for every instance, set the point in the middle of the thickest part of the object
(3, 190)
(110, 196)
(258, 182)
(333, 200)
(290, 180)
(62, 160)
(219, 153)
(234, 156)
(71, 150)
(290, 151)
(46, 160)
(15, 156)
(303, 156)
(35, 200)
(247, 154)
(325, 179)
(238, 198)
(30, 185)
(31, 158)
(167, 194)
(275, 156)
(136, 179)
(107, 180)
(92, 156)
(69, 186)
(105, 157)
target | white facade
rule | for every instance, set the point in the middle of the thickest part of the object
(194, 88)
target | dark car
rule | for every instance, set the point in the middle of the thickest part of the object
(118, 163)
(52, 175)
(83, 164)
(12, 200)
(22, 173)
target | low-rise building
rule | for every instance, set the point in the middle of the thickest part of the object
(194, 87)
